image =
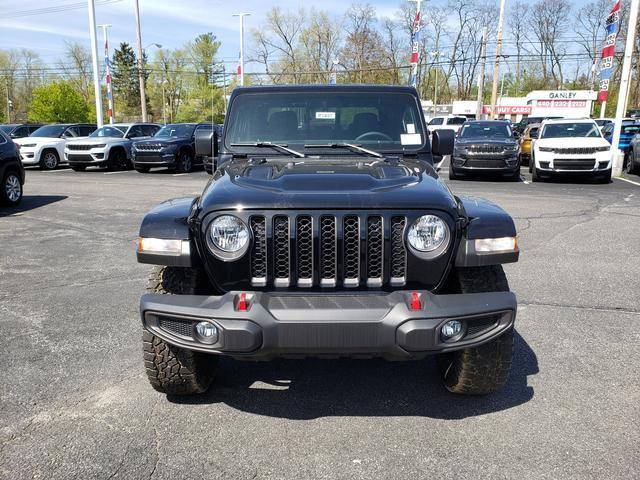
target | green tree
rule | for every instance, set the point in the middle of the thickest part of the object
(57, 102)
(125, 82)
(203, 51)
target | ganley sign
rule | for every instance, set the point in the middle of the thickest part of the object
(563, 95)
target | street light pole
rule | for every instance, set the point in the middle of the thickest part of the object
(94, 62)
(496, 65)
(143, 94)
(241, 66)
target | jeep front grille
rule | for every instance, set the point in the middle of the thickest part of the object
(485, 149)
(72, 146)
(575, 151)
(352, 250)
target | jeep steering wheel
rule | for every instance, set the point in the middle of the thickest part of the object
(365, 135)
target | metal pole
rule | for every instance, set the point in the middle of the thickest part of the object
(107, 72)
(164, 104)
(143, 95)
(94, 62)
(496, 65)
(603, 108)
(625, 78)
(435, 95)
(483, 62)
(8, 104)
(224, 87)
(415, 45)
(241, 66)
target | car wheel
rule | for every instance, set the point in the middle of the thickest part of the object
(185, 162)
(534, 174)
(631, 166)
(483, 369)
(117, 160)
(11, 192)
(170, 369)
(49, 160)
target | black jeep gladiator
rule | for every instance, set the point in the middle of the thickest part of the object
(325, 231)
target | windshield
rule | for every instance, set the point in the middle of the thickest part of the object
(7, 128)
(630, 129)
(485, 130)
(49, 131)
(380, 122)
(109, 132)
(175, 130)
(563, 130)
(456, 120)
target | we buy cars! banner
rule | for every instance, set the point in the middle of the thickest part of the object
(612, 26)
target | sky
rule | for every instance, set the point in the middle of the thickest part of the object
(170, 23)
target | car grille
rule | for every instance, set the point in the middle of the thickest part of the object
(149, 147)
(183, 328)
(79, 147)
(80, 158)
(575, 151)
(484, 163)
(574, 164)
(350, 250)
(485, 149)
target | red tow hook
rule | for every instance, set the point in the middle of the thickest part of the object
(241, 304)
(416, 304)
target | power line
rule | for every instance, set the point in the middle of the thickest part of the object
(56, 9)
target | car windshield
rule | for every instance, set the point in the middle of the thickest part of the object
(485, 130)
(456, 120)
(175, 130)
(630, 129)
(391, 121)
(7, 128)
(49, 131)
(565, 130)
(109, 132)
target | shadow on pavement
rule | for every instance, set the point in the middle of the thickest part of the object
(308, 389)
(31, 202)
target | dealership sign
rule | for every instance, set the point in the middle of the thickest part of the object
(561, 103)
(612, 26)
(508, 109)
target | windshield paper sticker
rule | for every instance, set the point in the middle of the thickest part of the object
(411, 128)
(411, 139)
(325, 115)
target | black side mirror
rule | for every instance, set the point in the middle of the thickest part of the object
(442, 142)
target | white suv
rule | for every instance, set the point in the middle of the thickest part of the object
(446, 123)
(574, 147)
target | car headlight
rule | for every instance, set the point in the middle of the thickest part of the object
(428, 234)
(101, 145)
(229, 237)
(170, 148)
(603, 149)
(545, 149)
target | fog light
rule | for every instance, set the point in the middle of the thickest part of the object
(451, 329)
(207, 332)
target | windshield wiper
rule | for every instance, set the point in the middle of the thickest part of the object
(350, 146)
(276, 146)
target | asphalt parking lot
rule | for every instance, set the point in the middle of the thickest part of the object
(75, 403)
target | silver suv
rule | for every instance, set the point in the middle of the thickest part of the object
(108, 146)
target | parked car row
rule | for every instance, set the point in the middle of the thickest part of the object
(139, 146)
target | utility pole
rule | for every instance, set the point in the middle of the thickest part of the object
(241, 65)
(483, 63)
(9, 104)
(94, 62)
(415, 45)
(107, 72)
(625, 78)
(224, 87)
(143, 95)
(496, 65)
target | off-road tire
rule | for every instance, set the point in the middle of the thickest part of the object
(483, 369)
(170, 369)
(142, 169)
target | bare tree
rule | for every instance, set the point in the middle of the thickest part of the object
(516, 26)
(590, 30)
(320, 41)
(76, 68)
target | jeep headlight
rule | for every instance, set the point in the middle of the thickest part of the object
(546, 149)
(229, 237)
(603, 149)
(428, 234)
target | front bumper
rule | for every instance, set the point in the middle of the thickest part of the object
(506, 164)
(30, 155)
(587, 165)
(294, 325)
(154, 159)
(87, 157)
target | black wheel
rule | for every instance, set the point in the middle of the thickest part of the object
(11, 191)
(49, 160)
(631, 167)
(483, 369)
(184, 163)
(117, 160)
(78, 168)
(142, 169)
(452, 174)
(170, 369)
(534, 174)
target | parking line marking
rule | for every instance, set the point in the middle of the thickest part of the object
(627, 180)
(56, 171)
(524, 180)
(179, 174)
(113, 173)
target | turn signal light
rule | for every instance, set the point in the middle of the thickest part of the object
(241, 304)
(416, 304)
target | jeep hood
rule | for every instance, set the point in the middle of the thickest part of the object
(572, 142)
(163, 141)
(339, 183)
(38, 140)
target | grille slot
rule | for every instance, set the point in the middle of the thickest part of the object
(484, 163)
(178, 327)
(79, 147)
(304, 254)
(351, 254)
(375, 251)
(485, 149)
(281, 253)
(576, 151)
(398, 252)
(574, 164)
(328, 251)
(259, 252)
(480, 325)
